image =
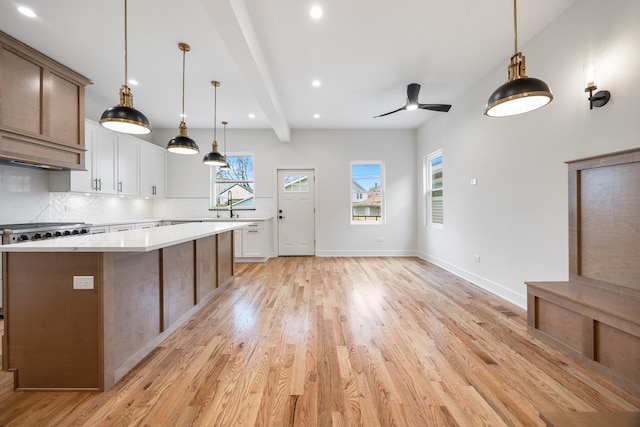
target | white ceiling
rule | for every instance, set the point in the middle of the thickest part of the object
(266, 54)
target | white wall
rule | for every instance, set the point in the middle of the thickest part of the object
(516, 217)
(330, 153)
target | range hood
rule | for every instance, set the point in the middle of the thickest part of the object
(22, 164)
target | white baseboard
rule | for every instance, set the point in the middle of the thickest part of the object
(493, 287)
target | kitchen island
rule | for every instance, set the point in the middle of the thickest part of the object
(81, 312)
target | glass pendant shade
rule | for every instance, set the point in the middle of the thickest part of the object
(182, 144)
(123, 117)
(520, 94)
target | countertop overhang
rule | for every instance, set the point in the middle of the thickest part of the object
(141, 240)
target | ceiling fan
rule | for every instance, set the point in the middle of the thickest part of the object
(413, 90)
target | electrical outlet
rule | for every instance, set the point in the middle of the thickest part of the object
(476, 258)
(82, 282)
(380, 239)
(473, 182)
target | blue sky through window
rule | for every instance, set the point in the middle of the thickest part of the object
(367, 176)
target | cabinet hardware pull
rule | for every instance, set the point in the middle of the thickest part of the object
(120, 187)
(99, 184)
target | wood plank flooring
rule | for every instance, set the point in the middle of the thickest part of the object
(303, 341)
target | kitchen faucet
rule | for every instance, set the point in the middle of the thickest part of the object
(229, 202)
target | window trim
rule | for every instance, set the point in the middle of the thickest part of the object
(382, 184)
(213, 182)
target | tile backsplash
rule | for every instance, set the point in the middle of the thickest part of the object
(24, 197)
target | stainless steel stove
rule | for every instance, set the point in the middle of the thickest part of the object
(17, 233)
(34, 231)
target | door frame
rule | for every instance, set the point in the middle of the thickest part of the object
(276, 228)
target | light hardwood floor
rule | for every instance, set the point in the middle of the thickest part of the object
(334, 342)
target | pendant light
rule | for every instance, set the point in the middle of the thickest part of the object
(182, 144)
(123, 117)
(226, 166)
(214, 158)
(520, 94)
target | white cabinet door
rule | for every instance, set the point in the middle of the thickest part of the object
(152, 170)
(128, 159)
(105, 146)
(253, 243)
(83, 181)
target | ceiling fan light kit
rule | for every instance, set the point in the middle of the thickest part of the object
(123, 117)
(182, 144)
(413, 90)
(520, 94)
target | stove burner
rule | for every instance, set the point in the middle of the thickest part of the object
(17, 233)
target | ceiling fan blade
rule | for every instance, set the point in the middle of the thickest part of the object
(435, 107)
(391, 112)
(412, 93)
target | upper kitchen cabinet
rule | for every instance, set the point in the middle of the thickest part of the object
(128, 160)
(152, 170)
(41, 108)
(116, 163)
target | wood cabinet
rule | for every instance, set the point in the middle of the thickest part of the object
(41, 108)
(595, 316)
(57, 337)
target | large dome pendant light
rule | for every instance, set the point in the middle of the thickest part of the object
(214, 158)
(520, 94)
(182, 144)
(226, 166)
(123, 117)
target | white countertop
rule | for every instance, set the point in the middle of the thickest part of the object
(143, 240)
(221, 219)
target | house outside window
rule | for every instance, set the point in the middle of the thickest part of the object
(367, 193)
(434, 190)
(235, 187)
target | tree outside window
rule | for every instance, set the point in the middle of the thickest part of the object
(233, 187)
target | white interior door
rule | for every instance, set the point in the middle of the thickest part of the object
(296, 212)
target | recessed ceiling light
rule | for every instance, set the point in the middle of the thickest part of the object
(316, 83)
(133, 82)
(316, 12)
(26, 11)
(316, 116)
(252, 116)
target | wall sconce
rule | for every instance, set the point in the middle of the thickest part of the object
(600, 98)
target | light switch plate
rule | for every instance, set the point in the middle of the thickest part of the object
(82, 282)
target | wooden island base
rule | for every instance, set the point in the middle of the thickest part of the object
(57, 337)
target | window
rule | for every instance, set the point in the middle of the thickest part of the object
(367, 192)
(434, 197)
(234, 187)
(296, 184)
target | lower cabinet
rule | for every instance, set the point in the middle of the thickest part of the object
(251, 242)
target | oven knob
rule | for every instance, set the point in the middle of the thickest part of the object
(57, 234)
(84, 231)
(47, 235)
(23, 237)
(67, 233)
(76, 232)
(37, 236)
